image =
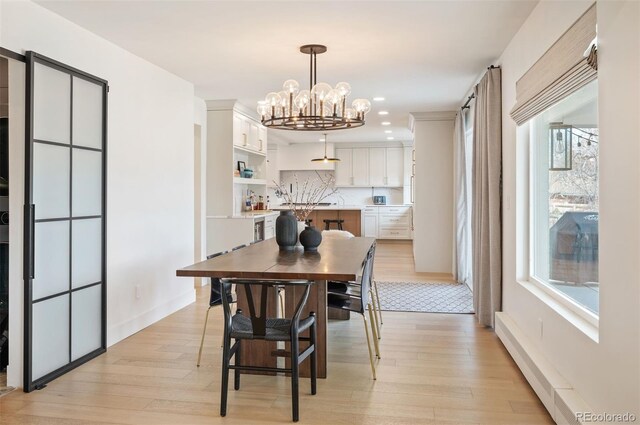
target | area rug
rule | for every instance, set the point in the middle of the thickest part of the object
(427, 297)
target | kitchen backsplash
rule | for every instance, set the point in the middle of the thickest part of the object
(344, 196)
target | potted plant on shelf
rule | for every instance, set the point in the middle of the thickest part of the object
(301, 201)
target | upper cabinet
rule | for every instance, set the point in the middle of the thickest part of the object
(394, 167)
(249, 134)
(370, 167)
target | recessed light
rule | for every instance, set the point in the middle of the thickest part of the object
(388, 131)
(378, 99)
(383, 113)
(321, 139)
(390, 138)
(385, 123)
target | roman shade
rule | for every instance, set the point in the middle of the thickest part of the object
(562, 70)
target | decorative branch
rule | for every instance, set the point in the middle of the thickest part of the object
(307, 197)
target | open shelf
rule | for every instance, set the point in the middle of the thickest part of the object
(249, 151)
(242, 180)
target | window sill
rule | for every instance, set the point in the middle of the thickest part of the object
(585, 321)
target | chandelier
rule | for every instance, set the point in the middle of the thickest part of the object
(320, 108)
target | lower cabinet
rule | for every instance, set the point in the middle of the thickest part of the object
(370, 216)
(388, 222)
(270, 226)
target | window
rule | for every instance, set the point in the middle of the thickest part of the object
(564, 197)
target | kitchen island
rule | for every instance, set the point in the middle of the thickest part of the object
(351, 214)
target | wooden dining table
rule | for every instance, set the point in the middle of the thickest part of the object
(336, 259)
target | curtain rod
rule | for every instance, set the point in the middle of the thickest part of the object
(466, 104)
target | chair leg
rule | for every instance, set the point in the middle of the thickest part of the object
(236, 372)
(314, 360)
(373, 331)
(295, 372)
(281, 296)
(204, 331)
(375, 314)
(225, 376)
(375, 288)
(366, 331)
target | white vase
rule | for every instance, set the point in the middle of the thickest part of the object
(301, 227)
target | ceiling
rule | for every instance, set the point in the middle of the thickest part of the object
(419, 55)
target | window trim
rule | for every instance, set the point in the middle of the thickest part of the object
(579, 316)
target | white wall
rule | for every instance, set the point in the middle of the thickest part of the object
(150, 199)
(606, 374)
(433, 206)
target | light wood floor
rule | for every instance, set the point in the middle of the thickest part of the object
(435, 368)
(394, 262)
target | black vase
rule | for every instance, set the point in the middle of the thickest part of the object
(310, 238)
(286, 230)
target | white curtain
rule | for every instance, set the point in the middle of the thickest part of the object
(487, 196)
(462, 219)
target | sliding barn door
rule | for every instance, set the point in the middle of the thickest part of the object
(65, 280)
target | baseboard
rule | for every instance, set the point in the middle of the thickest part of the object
(125, 329)
(555, 392)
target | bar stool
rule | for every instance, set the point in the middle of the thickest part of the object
(327, 224)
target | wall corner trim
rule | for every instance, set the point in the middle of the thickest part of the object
(433, 116)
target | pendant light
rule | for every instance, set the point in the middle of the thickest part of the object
(325, 159)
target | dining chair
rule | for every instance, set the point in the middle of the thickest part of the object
(375, 297)
(215, 298)
(257, 326)
(355, 297)
(280, 290)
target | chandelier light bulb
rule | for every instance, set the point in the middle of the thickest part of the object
(291, 86)
(361, 105)
(263, 109)
(302, 100)
(333, 97)
(272, 99)
(350, 114)
(321, 90)
(344, 89)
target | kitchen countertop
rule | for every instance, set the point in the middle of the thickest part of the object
(342, 207)
(324, 207)
(248, 214)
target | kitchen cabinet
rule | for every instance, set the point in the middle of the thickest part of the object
(270, 226)
(377, 166)
(388, 222)
(343, 168)
(248, 133)
(370, 167)
(360, 167)
(353, 168)
(394, 167)
(370, 215)
(232, 136)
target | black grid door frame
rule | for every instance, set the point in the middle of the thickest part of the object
(30, 222)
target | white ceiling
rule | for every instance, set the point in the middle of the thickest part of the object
(420, 55)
